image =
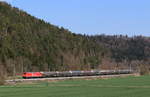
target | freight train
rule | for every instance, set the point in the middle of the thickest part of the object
(27, 75)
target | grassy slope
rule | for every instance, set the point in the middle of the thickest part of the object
(116, 87)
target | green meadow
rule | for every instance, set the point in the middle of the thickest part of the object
(114, 87)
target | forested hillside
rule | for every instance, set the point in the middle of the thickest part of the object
(31, 44)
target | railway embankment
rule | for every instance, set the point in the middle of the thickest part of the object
(52, 79)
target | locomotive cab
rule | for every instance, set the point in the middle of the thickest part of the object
(27, 75)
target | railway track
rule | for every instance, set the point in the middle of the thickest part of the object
(66, 78)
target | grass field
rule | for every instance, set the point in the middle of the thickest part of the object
(115, 87)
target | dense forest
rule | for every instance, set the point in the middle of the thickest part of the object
(31, 44)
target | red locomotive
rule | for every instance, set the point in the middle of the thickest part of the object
(32, 75)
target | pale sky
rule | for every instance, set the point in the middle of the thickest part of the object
(131, 17)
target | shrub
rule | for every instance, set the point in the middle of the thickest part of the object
(2, 75)
(144, 70)
(2, 80)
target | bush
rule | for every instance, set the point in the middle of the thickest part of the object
(2, 80)
(144, 70)
(2, 75)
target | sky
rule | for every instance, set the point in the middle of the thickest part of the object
(110, 17)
